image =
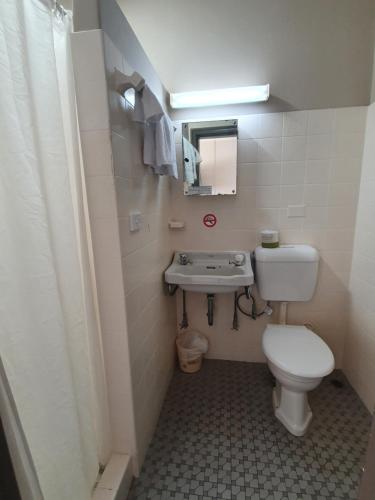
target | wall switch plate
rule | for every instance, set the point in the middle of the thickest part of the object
(135, 220)
(296, 210)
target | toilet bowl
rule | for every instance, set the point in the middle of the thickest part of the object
(298, 359)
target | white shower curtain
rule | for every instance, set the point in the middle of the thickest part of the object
(49, 340)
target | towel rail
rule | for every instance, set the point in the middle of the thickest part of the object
(124, 82)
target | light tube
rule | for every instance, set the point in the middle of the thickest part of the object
(218, 97)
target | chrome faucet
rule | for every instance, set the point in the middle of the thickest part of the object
(238, 260)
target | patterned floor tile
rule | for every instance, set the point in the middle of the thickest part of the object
(218, 438)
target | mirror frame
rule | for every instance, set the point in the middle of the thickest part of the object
(195, 130)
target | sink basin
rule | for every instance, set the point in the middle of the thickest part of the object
(210, 272)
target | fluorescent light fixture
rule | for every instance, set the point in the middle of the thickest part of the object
(218, 97)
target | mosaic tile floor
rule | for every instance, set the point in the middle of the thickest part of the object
(217, 438)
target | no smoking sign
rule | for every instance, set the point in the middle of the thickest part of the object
(210, 220)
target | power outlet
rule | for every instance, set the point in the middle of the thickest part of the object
(135, 220)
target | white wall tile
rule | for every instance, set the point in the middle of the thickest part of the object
(108, 273)
(320, 121)
(267, 218)
(267, 174)
(359, 359)
(268, 196)
(93, 109)
(346, 170)
(248, 127)
(293, 172)
(352, 119)
(89, 75)
(295, 123)
(101, 196)
(343, 194)
(247, 151)
(319, 147)
(348, 145)
(122, 156)
(271, 125)
(87, 53)
(316, 217)
(294, 148)
(318, 171)
(246, 174)
(316, 195)
(337, 238)
(291, 195)
(96, 151)
(341, 216)
(269, 150)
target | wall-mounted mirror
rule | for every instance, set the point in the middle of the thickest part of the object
(209, 153)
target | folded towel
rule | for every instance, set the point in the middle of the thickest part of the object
(147, 108)
(165, 147)
(159, 149)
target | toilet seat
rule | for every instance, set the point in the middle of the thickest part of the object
(298, 351)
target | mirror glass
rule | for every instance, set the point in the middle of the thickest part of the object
(209, 153)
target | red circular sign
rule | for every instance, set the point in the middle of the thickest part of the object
(210, 220)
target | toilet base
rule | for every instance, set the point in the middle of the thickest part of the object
(292, 409)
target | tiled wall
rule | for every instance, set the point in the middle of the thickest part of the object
(151, 315)
(359, 361)
(310, 158)
(90, 82)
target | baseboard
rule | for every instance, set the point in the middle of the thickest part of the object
(116, 479)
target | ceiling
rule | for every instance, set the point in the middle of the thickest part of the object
(68, 4)
(314, 53)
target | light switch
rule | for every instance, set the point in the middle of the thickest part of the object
(135, 220)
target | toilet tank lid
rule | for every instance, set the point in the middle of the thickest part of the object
(287, 253)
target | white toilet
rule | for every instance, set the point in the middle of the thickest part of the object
(296, 356)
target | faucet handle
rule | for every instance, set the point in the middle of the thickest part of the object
(239, 259)
(183, 259)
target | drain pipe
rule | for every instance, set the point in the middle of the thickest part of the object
(184, 323)
(210, 308)
(235, 315)
(283, 313)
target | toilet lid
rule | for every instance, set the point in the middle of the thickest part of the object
(298, 351)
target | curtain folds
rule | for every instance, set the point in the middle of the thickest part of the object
(49, 337)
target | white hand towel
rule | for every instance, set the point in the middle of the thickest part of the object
(165, 146)
(147, 108)
(159, 149)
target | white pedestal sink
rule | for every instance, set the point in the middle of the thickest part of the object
(210, 272)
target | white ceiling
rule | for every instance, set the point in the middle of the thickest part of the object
(314, 53)
(68, 4)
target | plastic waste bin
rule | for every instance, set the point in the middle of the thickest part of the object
(191, 345)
